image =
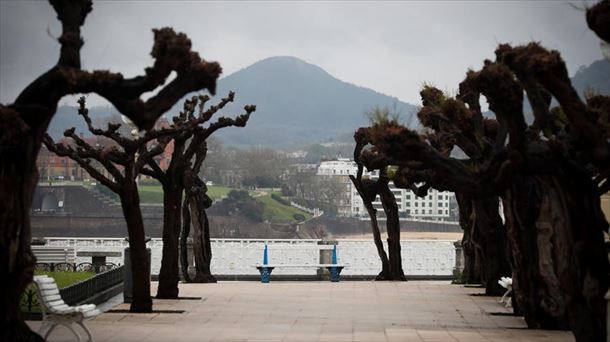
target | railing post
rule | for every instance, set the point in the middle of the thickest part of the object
(326, 255)
(459, 260)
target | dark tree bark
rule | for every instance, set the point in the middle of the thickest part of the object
(598, 19)
(17, 182)
(489, 235)
(198, 201)
(168, 274)
(367, 189)
(561, 265)
(388, 201)
(472, 264)
(184, 234)
(140, 266)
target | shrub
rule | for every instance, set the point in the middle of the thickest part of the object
(280, 199)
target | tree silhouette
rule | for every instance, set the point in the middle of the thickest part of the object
(189, 151)
(549, 175)
(24, 122)
(368, 189)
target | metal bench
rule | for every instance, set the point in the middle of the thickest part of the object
(333, 269)
(98, 258)
(56, 312)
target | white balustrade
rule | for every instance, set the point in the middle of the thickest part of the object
(238, 256)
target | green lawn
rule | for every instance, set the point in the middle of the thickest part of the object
(154, 193)
(218, 191)
(150, 193)
(276, 211)
(65, 279)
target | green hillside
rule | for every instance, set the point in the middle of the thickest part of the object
(153, 193)
(277, 211)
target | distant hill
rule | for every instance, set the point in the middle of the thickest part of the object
(67, 117)
(299, 103)
(595, 77)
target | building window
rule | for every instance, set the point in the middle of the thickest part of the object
(440, 212)
(430, 211)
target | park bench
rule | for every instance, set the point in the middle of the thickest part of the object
(49, 254)
(333, 269)
(56, 312)
(507, 283)
(98, 258)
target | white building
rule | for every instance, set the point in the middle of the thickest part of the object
(435, 206)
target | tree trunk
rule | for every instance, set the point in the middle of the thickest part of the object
(393, 228)
(366, 192)
(169, 274)
(18, 179)
(184, 234)
(140, 267)
(555, 228)
(198, 200)
(202, 248)
(472, 271)
(490, 238)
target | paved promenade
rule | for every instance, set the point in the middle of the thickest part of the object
(319, 311)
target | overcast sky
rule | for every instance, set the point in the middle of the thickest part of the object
(392, 47)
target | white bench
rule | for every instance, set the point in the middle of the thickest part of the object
(507, 283)
(334, 269)
(49, 254)
(56, 312)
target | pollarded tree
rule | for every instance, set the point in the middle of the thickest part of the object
(189, 139)
(123, 160)
(549, 176)
(24, 122)
(453, 124)
(193, 213)
(368, 189)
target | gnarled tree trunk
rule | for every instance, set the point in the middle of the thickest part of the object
(560, 265)
(490, 237)
(198, 200)
(18, 178)
(169, 274)
(472, 263)
(390, 208)
(140, 265)
(367, 191)
(184, 235)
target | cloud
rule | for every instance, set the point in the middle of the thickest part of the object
(392, 47)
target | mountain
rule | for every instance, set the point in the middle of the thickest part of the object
(67, 117)
(298, 103)
(595, 77)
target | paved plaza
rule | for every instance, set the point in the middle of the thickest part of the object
(319, 311)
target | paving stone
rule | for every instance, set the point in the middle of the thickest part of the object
(319, 311)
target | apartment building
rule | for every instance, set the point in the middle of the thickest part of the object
(435, 206)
